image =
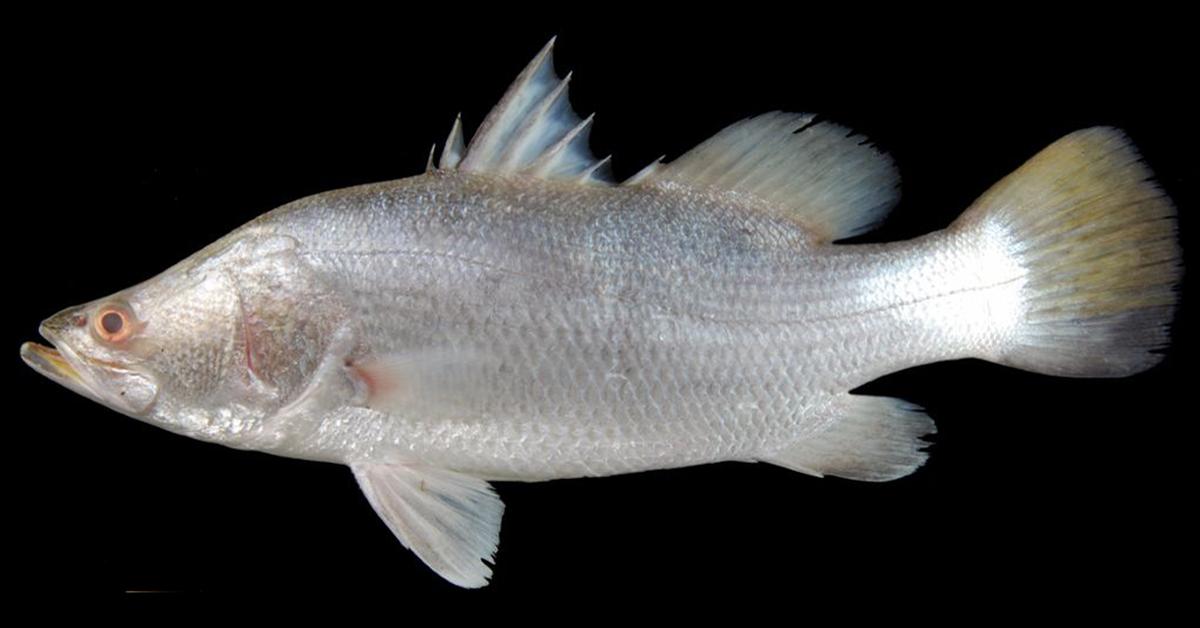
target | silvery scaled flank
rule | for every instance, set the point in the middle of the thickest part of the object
(514, 314)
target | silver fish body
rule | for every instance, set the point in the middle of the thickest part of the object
(513, 314)
(557, 330)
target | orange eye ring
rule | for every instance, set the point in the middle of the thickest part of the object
(113, 324)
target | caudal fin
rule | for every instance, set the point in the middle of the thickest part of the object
(1097, 240)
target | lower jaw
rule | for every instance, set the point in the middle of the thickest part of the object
(50, 362)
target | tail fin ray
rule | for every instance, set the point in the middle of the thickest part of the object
(1097, 239)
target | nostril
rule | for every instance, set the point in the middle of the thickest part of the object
(79, 320)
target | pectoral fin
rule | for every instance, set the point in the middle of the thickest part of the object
(449, 520)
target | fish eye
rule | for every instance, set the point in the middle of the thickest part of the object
(113, 323)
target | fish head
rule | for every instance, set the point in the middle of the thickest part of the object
(96, 352)
(209, 348)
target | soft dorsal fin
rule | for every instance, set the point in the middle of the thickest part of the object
(532, 131)
(834, 184)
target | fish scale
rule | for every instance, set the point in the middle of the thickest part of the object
(513, 314)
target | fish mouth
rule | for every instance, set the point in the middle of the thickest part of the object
(125, 390)
(50, 362)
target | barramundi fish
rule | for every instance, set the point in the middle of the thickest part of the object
(514, 314)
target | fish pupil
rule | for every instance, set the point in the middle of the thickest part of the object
(112, 322)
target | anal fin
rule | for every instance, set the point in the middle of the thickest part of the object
(451, 521)
(873, 439)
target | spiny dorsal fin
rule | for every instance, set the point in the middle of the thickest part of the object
(429, 162)
(836, 185)
(532, 131)
(455, 146)
(650, 170)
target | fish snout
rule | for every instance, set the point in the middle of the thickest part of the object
(60, 324)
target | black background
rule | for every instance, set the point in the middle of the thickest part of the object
(137, 145)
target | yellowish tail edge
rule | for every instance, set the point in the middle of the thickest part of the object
(1097, 240)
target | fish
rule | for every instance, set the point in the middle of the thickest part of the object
(515, 314)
